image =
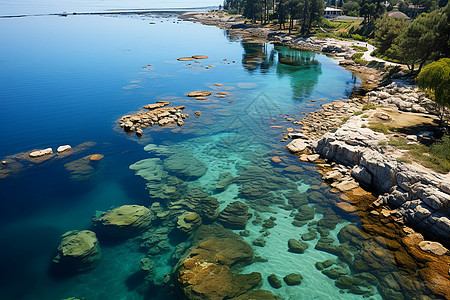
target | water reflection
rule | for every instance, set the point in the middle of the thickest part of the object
(302, 67)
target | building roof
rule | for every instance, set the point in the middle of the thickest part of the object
(332, 9)
(398, 14)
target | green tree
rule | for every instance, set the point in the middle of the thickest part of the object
(425, 39)
(387, 29)
(435, 79)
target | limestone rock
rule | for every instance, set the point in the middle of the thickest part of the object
(78, 251)
(199, 56)
(39, 153)
(96, 157)
(433, 247)
(63, 148)
(297, 146)
(124, 221)
(199, 94)
(234, 216)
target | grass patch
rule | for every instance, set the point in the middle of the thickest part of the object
(357, 113)
(345, 119)
(382, 143)
(361, 61)
(359, 48)
(403, 160)
(378, 127)
(435, 156)
(368, 106)
(364, 116)
(357, 55)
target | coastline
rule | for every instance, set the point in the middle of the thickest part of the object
(406, 197)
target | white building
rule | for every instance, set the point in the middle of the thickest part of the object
(331, 12)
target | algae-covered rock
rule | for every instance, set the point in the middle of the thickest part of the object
(305, 213)
(185, 166)
(344, 282)
(124, 221)
(234, 216)
(324, 264)
(296, 246)
(274, 281)
(205, 271)
(257, 294)
(293, 279)
(78, 251)
(260, 242)
(207, 207)
(224, 181)
(188, 221)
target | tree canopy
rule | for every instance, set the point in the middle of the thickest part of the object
(435, 78)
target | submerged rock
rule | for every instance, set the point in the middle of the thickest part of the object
(296, 246)
(205, 271)
(188, 221)
(78, 251)
(293, 279)
(197, 200)
(234, 216)
(224, 181)
(185, 166)
(274, 281)
(124, 221)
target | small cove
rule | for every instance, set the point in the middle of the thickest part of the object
(73, 77)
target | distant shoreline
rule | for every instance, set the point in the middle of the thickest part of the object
(117, 12)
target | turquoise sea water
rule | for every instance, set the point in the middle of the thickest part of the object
(67, 80)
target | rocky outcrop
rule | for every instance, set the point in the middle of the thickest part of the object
(422, 197)
(155, 114)
(234, 216)
(188, 221)
(205, 272)
(403, 97)
(78, 251)
(124, 221)
(43, 152)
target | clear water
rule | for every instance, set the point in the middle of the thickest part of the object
(33, 7)
(66, 80)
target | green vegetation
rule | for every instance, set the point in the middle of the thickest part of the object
(345, 119)
(414, 43)
(359, 48)
(368, 106)
(357, 113)
(378, 127)
(364, 116)
(404, 160)
(307, 12)
(357, 55)
(436, 156)
(361, 61)
(435, 80)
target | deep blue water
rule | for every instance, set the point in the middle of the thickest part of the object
(66, 80)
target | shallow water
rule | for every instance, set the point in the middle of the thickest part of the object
(68, 80)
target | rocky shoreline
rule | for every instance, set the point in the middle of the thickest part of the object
(350, 155)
